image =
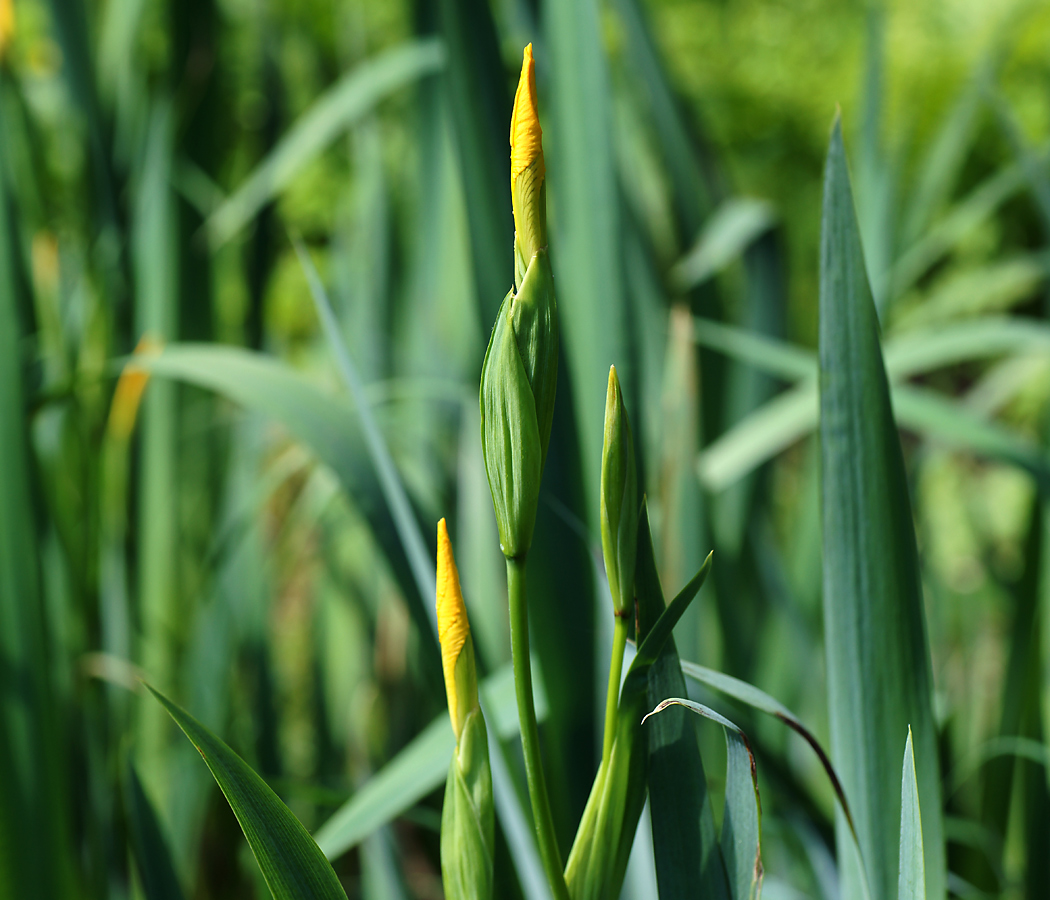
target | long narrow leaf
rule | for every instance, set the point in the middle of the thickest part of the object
(878, 662)
(393, 490)
(685, 841)
(292, 864)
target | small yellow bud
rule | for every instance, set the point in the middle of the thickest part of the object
(7, 25)
(527, 170)
(457, 649)
(130, 386)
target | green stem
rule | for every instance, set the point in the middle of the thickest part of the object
(612, 697)
(530, 735)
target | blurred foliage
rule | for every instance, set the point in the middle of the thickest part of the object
(252, 572)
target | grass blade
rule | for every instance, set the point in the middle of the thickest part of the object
(291, 862)
(585, 251)
(419, 558)
(878, 661)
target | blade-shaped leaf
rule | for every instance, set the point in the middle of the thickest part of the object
(911, 883)
(685, 840)
(291, 862)
(742, 819)
(878, 662)
(156, 870)
(325, 423)
(760, 700)
(729, 231)
(408, 530)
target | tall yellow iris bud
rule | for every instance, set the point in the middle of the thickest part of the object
(457, 649)
(467, 827)
(527, 170)
(520, 373)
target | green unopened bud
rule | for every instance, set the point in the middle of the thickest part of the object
(619, 501)
(467, 828)
(518, 382)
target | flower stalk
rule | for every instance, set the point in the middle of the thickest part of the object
(518, 382)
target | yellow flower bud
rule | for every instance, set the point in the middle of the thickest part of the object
(457, 649)
(527, 170)
(130, 386)
(7, 24)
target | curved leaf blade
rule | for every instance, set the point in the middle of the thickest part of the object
(291, 862)
(742, 820)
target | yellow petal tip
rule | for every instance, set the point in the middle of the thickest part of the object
(526, 137)
(453, 626)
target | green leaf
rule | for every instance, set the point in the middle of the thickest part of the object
(480, 113)
(325, 423)
(661, 629)
(156, 870)
(911, 884)
(291, 862)
(760, 700)
(408, 531)
(585, 250)
(347, 101)
(34, 860)
(878, 662)
(685, 840)
(729, 231)
(742, 818)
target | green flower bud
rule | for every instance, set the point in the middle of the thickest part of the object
(619, 500)
(518, 382)
(467, 827)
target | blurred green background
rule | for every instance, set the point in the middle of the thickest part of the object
(236, 548)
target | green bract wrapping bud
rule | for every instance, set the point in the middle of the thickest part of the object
(518, 382)
(467, 828)
(619, 500)
(598, 859)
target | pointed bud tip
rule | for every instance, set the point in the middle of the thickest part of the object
(526, 137)
(453, 626)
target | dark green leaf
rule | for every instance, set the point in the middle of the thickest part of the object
(742, 818)
(291, 862)
(685, 841)
(156, 870)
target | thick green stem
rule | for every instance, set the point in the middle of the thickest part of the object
(612, 697)
(530, 735)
